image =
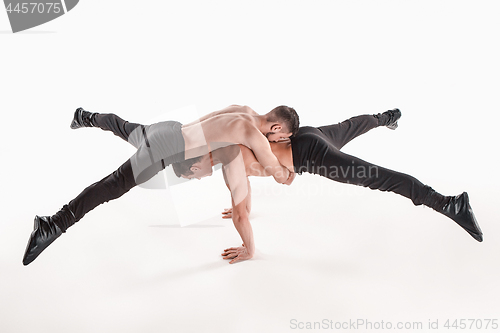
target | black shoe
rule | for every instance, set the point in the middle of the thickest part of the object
(44, 233)
(82, 118)
(459, 210)
(394, 116)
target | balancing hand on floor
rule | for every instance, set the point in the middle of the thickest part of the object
(237, 254)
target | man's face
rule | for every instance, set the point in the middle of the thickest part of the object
(200, 169)
(277, 136)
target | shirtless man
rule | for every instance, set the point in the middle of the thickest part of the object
(317, 151)
(235, 176)
(161, 144)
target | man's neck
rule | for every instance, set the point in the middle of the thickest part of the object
(261, 123)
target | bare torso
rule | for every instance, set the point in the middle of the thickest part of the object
(232, 125)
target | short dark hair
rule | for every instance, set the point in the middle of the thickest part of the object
(286, 116)
(184, 168)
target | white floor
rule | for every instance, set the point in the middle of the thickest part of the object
(342, 253)
(325, 251)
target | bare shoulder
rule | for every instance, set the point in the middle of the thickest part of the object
(229, 110)
(249, 110)
(253, 136)
(241, 109)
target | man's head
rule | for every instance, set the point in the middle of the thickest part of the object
(283, 121)
(196, 167)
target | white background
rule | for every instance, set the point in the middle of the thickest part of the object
(324, 250)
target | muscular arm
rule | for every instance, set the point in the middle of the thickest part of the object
(242, 224)
(228, 212)
(262, 150)
(234, 172)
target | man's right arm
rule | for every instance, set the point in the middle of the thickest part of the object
(262, 150)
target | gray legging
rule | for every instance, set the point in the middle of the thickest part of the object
(158, 145)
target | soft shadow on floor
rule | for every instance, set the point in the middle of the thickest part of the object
(167, 277)
(188, 226)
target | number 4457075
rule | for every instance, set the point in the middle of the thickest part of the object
(35, 7)
(473, 324)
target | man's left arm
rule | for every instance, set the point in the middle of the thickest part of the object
(228, 212)
(244, 228)
(241, 223)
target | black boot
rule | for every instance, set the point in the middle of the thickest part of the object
(46, 230)
(389, 118)
(458, 209)
(82, 118)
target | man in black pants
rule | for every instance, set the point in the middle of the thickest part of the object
(317, 150)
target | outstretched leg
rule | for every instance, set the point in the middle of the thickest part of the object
(113, 186)
(344, 168)
(130, 132)
(352, 170)
(313, 153)
(164, 145)
(342, 133)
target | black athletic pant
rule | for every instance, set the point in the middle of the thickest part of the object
(317, 151)
(158, 146)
